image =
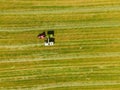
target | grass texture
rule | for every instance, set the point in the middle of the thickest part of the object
(86, 55)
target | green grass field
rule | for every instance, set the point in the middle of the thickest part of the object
(86, 55)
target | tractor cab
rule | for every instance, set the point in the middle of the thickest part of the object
(49, 40)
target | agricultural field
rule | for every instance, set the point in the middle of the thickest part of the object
(86, 55)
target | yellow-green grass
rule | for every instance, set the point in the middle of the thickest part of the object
(86, 55)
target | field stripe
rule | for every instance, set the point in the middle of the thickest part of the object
(106, 24)
(69, 10)
(17, 77)
(67, 56)
(88, 42)
(19, 46)
(68, 84)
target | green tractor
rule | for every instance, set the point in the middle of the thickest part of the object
(50, 40)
